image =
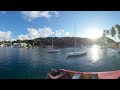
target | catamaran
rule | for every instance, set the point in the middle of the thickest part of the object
(76, 52)
(53, 50)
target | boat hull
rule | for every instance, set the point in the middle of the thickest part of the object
(53, 51)
(101, 75)
(97, 75)
(76, 54)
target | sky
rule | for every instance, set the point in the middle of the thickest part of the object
(34, 24)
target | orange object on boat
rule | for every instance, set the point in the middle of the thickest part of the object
(116, 45)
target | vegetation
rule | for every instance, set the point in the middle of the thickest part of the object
(58, 42)
(118, 29)
(114, 31)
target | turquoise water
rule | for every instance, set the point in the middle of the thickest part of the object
(22, 63)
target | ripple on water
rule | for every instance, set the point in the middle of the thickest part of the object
(36, 63)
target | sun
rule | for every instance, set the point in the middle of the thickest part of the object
(93, 33)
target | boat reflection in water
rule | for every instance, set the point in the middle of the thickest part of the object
(95, 53)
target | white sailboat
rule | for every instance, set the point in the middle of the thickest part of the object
(76, 52)
(53, 50)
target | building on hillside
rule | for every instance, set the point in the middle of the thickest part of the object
(20, 45)
(23, 45)
(16, 44)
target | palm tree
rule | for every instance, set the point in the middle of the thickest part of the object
(104, 36)
(118, 29)
(113, 33)
(119, 36)
(107, 32)
(104, 33)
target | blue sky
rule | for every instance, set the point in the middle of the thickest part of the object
(30, 25)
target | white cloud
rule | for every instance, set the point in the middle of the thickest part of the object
(36, 33)
(66, 34)
(62, 33)
(5, 36)
(42, 32)
(3, 12)
(31, 15)
(23, 37)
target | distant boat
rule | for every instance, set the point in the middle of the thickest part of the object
(53, 50)
(76, 52)
(69, 74)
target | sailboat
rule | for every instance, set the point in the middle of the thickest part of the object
(53, 50)
(76, 52)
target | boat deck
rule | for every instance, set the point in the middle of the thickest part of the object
(101, 75)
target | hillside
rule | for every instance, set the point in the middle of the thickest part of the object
(62, 42)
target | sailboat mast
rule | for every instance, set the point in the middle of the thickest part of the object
(52, 41)
(75, 34)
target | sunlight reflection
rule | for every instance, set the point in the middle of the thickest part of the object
(95, 56)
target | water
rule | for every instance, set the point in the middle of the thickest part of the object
(22, 63)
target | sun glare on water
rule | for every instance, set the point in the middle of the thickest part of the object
(95, 53)
(93, 33)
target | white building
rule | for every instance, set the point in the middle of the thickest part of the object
(20, 45)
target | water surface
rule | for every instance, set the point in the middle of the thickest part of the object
(23, 63)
